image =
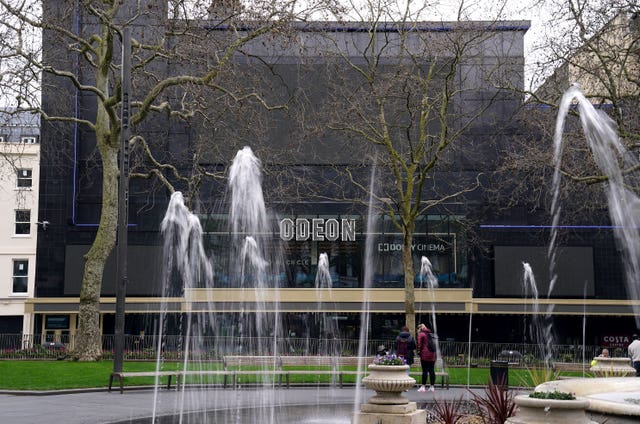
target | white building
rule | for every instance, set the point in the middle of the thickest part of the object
(19, 226)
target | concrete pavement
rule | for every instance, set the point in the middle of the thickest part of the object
(102, 407)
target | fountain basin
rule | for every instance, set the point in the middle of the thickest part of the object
(612, 396)
(284, 414)
(544, 411)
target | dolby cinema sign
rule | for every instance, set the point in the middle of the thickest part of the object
(318, 229)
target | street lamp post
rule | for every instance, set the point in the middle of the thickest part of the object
(123, 203)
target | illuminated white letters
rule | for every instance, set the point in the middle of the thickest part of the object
(419, 247)
(332, 229)
(286, 229)
(318, 229)
(302, 229)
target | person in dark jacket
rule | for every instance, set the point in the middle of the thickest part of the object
(382, 351)
(427, 358)
(405, 345)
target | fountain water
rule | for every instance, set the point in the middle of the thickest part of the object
(250, 268)
(327, 325)
(584, 330)
(612, 159)
(606, 395)
(389, 382)
(530, 290)
(540, 329)
(323, 275)
(185, 257)
(251, 235)
(365, 313)
(607, 149)
(427, 275)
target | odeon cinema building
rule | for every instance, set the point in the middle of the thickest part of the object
(314, 174)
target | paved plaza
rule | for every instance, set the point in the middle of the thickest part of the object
(102, 407)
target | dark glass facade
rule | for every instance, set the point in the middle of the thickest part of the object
(458, 237)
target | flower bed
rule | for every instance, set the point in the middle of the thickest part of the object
(553, 395)
(390, 359)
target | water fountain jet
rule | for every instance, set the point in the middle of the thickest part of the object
(615, 397)
(188, 269)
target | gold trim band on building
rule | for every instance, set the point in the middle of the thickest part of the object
(340, 300)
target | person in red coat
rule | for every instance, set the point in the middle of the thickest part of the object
(427, 358)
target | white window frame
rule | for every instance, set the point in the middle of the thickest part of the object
(29, 139)
(15, 276)
(26, 224)
(24, 178)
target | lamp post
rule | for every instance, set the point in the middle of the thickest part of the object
(123, 203)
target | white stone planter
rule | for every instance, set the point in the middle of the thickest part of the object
(612, 367)
(389, 381)
(545, 411)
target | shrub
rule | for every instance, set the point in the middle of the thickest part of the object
(567, 357)
(447, 412)
(529, 359)
(496, 404)
(34, 352)
(538, 375)
(484, 361)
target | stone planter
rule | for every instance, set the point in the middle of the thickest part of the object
(389, 406)
(544, 411)
(389, 381)
(612, 367)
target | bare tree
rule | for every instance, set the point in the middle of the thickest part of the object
(182, 52)
(595, 44)
(402, 94)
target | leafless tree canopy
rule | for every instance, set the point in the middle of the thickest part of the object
(183, 57)
(598, 49)
(320, 102)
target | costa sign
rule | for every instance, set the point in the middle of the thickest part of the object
(616, 341)
(318, 229)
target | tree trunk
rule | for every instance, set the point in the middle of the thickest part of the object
(409, 276)
(88, 341)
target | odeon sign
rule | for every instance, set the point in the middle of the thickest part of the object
(318, 229)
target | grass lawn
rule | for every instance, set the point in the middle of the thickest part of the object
(52, 375)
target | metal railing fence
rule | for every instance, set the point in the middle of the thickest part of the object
(454, 353)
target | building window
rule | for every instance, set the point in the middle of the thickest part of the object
(20, 278)
(29, 139)
(3, 139)
(23, 221)
(24, 178)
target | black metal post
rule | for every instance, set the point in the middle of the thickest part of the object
(123, 203)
